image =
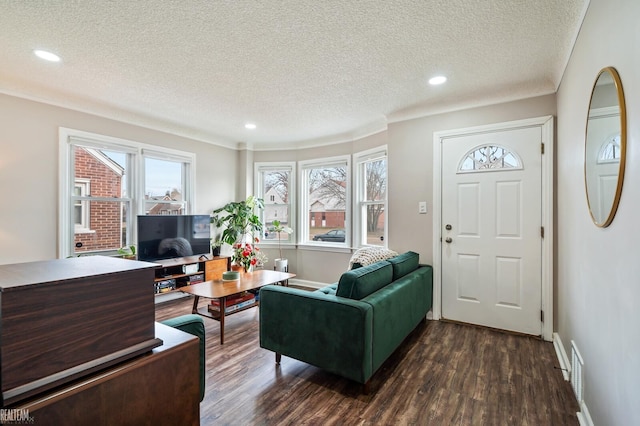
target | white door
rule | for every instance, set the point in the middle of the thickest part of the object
(491, 229)
(603, 150)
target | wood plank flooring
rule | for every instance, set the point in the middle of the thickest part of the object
(442, 374)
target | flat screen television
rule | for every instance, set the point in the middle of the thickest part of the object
(169, 236)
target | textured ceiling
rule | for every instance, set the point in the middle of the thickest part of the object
(306, 72)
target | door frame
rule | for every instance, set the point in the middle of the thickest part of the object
(546, 124)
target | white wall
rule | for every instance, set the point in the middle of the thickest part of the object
(411, 166)
(410, 146)
(29, 172)
(598, 270)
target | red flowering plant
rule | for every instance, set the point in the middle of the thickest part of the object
(247, 254)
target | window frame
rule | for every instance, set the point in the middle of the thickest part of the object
(289, 166)
(303, 217)
(134, 187)
(360, 159)
(85, 212)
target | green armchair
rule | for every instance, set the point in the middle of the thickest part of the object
(192, 324)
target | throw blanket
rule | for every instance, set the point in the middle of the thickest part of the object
(369, 255)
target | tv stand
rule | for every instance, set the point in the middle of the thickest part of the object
(182, 271)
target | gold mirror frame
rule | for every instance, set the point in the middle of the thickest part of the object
(601, 209)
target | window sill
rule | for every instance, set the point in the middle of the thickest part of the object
(83, 231)
(323, 247)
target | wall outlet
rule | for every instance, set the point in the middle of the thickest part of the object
(422, 207)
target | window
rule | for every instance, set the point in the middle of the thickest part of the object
(325, 200)
(610, 150)
(81, 208)
(102, 191)
(371, 197)
(489, 157)
(275, 185)
(164, 184)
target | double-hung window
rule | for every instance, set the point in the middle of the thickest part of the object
(325, 201)
(371, 197)
(106, 182)
(275, 184)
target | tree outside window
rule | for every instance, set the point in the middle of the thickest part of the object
(372, 197)
(325, 206)
(274, 183)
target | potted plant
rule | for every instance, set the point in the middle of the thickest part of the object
(216, 246)
(127, 252)
(281, 263)
(239, 222)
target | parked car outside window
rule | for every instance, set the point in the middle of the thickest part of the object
(335, 235)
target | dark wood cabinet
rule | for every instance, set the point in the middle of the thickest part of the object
(63, 319)
(161, 387)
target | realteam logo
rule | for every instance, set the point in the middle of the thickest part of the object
(13, 416)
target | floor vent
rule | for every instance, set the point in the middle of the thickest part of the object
(577, 364)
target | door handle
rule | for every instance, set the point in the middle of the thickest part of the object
(448, 240)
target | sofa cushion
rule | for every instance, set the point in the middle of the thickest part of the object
(404, 263)
(361, 282)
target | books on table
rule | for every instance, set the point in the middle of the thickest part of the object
(233, 303)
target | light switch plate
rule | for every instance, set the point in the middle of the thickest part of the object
(422, 207)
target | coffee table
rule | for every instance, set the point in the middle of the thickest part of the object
(221, 290)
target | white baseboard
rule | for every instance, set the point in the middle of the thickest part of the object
(173, 295)
(584, 418)
(305, 283)
(563, 359)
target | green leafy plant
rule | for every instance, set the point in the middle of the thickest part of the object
(238, 219)
(278, 227)
(127, 251)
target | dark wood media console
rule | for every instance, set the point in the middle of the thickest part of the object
(66, 318)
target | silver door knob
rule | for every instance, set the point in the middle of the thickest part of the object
(448, 240)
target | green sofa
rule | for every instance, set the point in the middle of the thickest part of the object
(349, 328)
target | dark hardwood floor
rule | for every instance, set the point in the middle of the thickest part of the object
(443, 374)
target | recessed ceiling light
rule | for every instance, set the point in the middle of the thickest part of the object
(437, 80)
(47, 56)
(250, 126)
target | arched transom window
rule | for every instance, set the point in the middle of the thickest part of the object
(489, 158)
(610, 150)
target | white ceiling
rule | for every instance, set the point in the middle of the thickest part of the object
(307, 72)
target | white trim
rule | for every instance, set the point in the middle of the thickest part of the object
(305, 283)
(266, 166)
(563, 359)
(547, 126)
(359, 225)
(584, 417)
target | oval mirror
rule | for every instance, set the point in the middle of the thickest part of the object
(605, 147)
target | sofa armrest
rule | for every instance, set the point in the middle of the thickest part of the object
(324, 330)
(192, 324)
(399, 307)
